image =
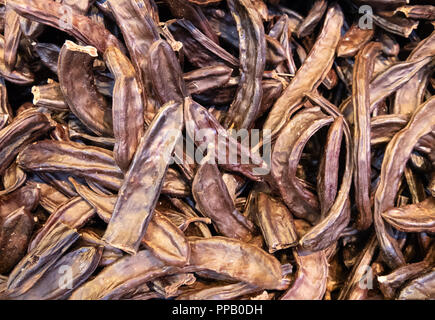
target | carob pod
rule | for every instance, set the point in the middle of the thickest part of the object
(252, 51)
(396, 155)
(78, 88)
(214, 201)
(33, 266)
(26, 128)
(143, 181)
(310, 74)
(127, 107)
(251, 264)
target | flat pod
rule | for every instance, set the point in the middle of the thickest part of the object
(48, 53)
(165, 73)
(285, 158)
(15, 232)
(276, 223)
(390, 284)
(252, 56)
(20, 75)
(214, 201)
(397, 154)
(140, 31)
(361, 136)
(79, 264)
(310, 74)
(184, 10)
(109, 254)
(166, 241)
(27, 196)
(201, 125)
(327, 178)
(384, 127)
(122, 276)
(127, 107)
(248, 262)
(328, 230)
(426, 12)
(103, 203)
(386, 83)
(272, 90)
(352, 289)
(75, 213)
(219, 292)
(32, 267)
(78, 88)
(312, 19)
(207, 78)
(94, 163)
(395, 24)
(200, 50)
(50, 198)
(26, 128)
(12, 37)
(353, 40)
(281, 31)
(311, 277)
(143, 181)
(13, 178)
(421, 288)
(412, 93)
(160, 205)
(418, 217)
(80, 26)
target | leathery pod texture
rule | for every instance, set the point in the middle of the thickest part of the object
(217, 150)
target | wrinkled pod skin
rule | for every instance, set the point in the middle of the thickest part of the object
(143, 181)
(78, 88)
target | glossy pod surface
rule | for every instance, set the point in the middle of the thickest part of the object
(217, 150)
